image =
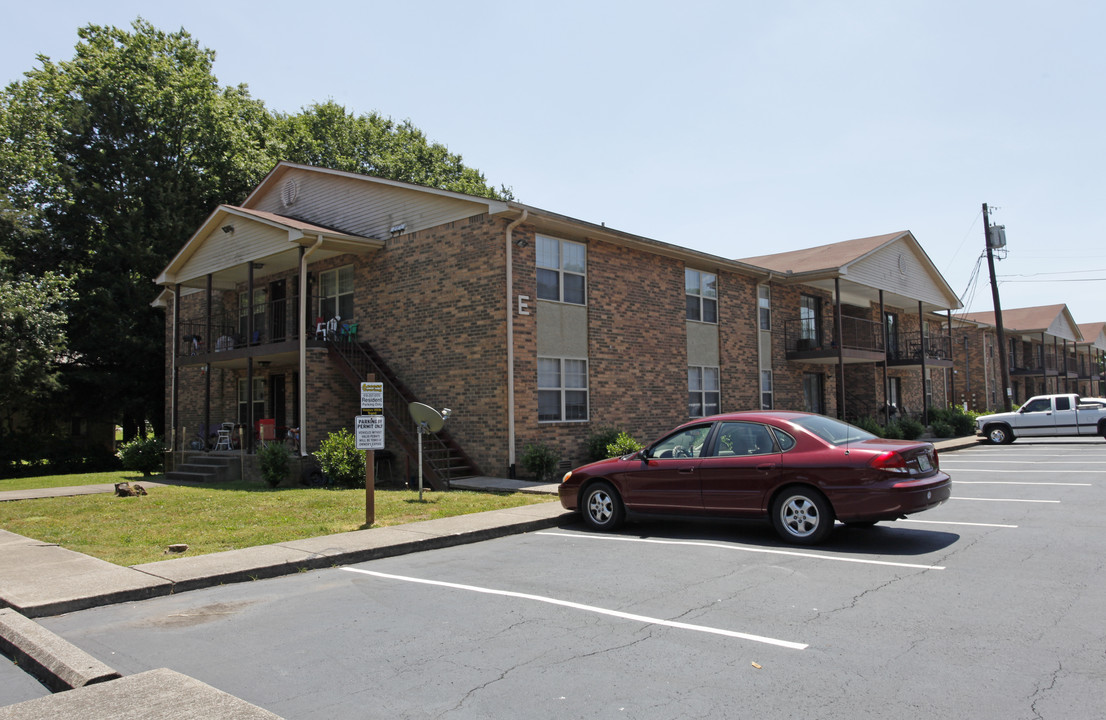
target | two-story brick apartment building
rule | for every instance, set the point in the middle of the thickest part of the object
(531, 326)
(1046, 351)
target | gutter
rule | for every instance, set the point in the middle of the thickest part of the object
(511, 344)
(303, 340)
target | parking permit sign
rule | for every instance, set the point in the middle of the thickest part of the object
(372, 397)
(369, 432)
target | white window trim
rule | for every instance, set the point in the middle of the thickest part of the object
(768, 290)
(770, 392)
(561, 272)
(700, 296)
(563, 389)
(338, 294)
(703, 390)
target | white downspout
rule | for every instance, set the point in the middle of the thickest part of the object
(511, 347)
(303, 343)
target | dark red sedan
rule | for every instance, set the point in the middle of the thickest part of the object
(801, 470)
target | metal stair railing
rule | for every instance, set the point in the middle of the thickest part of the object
(443, 459)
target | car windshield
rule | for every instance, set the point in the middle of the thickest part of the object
(832, 431)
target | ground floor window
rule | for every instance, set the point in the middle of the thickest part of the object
(814, 393)
(703, 394)
(562, 389)
(766, 400)
(257, 397)
(894, 395)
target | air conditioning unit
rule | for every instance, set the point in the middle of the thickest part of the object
(996, 237)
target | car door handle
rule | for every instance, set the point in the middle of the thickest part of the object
(765, 467)
(686, 471)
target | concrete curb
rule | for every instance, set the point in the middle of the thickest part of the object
(54, 662)
(161, 694)
(269, 561)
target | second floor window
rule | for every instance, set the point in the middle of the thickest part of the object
(702, 295)
(336, 293)
(810, 319)
(562, 270)
(764, 302)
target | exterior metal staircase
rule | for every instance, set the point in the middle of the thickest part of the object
(443, 459)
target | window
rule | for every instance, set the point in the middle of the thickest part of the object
(894, 395)
(702, 391)
(562, 269)
(765, 389)
(764, 301)
(810, 320)
(1063, 403)
(258, 399)
(259, 298)
(813, 393)
(336, 293)
(562, 389)
(686, 443)
(891, 320)
(702, 296)
(741, 438)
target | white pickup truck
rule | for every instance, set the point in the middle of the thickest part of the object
(1046, 416)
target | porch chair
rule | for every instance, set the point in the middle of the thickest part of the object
(320, 328)
(223, 442)
(332, 328)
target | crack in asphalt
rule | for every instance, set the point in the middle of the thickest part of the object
(1039, 693)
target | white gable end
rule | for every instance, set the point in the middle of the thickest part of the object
(898, 268)
(359, 207)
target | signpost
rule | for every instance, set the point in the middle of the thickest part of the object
(369, 434)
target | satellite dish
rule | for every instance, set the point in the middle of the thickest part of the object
(426, 417)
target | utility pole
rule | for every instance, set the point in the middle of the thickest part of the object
(1003, 361)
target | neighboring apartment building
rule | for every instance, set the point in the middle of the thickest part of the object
(1046, 352)
(531, 326)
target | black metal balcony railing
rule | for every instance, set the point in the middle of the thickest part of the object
(273, 322)
(813, 334)
(914, 346)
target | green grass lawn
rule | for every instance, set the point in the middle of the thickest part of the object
(52, 481)
(216, 517)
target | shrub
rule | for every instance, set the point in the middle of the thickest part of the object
(870, 425)
(275, 461)
(595, 447)
(941, 428)
(340, 460)
(911, 428)
(623, 445)
(145, 455)
(541, 461)
(893, 430)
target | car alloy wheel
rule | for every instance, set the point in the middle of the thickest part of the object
(802, 515)
(602, 508)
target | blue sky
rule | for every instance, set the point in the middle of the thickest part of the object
(737, 128)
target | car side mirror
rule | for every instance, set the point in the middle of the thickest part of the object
(643, 454)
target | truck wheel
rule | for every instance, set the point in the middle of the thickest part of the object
(998, 434)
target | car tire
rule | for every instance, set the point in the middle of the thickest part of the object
(601, 507)
(802, 515)
(998, 434)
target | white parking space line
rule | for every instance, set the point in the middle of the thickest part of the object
(1007, 472)
(1014, 482)
(741, 548)
(1055, 502)
(949, 522)
(589, 608)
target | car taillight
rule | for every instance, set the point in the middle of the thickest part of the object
(890, 461)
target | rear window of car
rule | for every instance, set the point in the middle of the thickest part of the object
(832, 431)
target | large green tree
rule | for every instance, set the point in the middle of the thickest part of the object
(110, 160)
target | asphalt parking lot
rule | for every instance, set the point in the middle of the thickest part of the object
(987, 607)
